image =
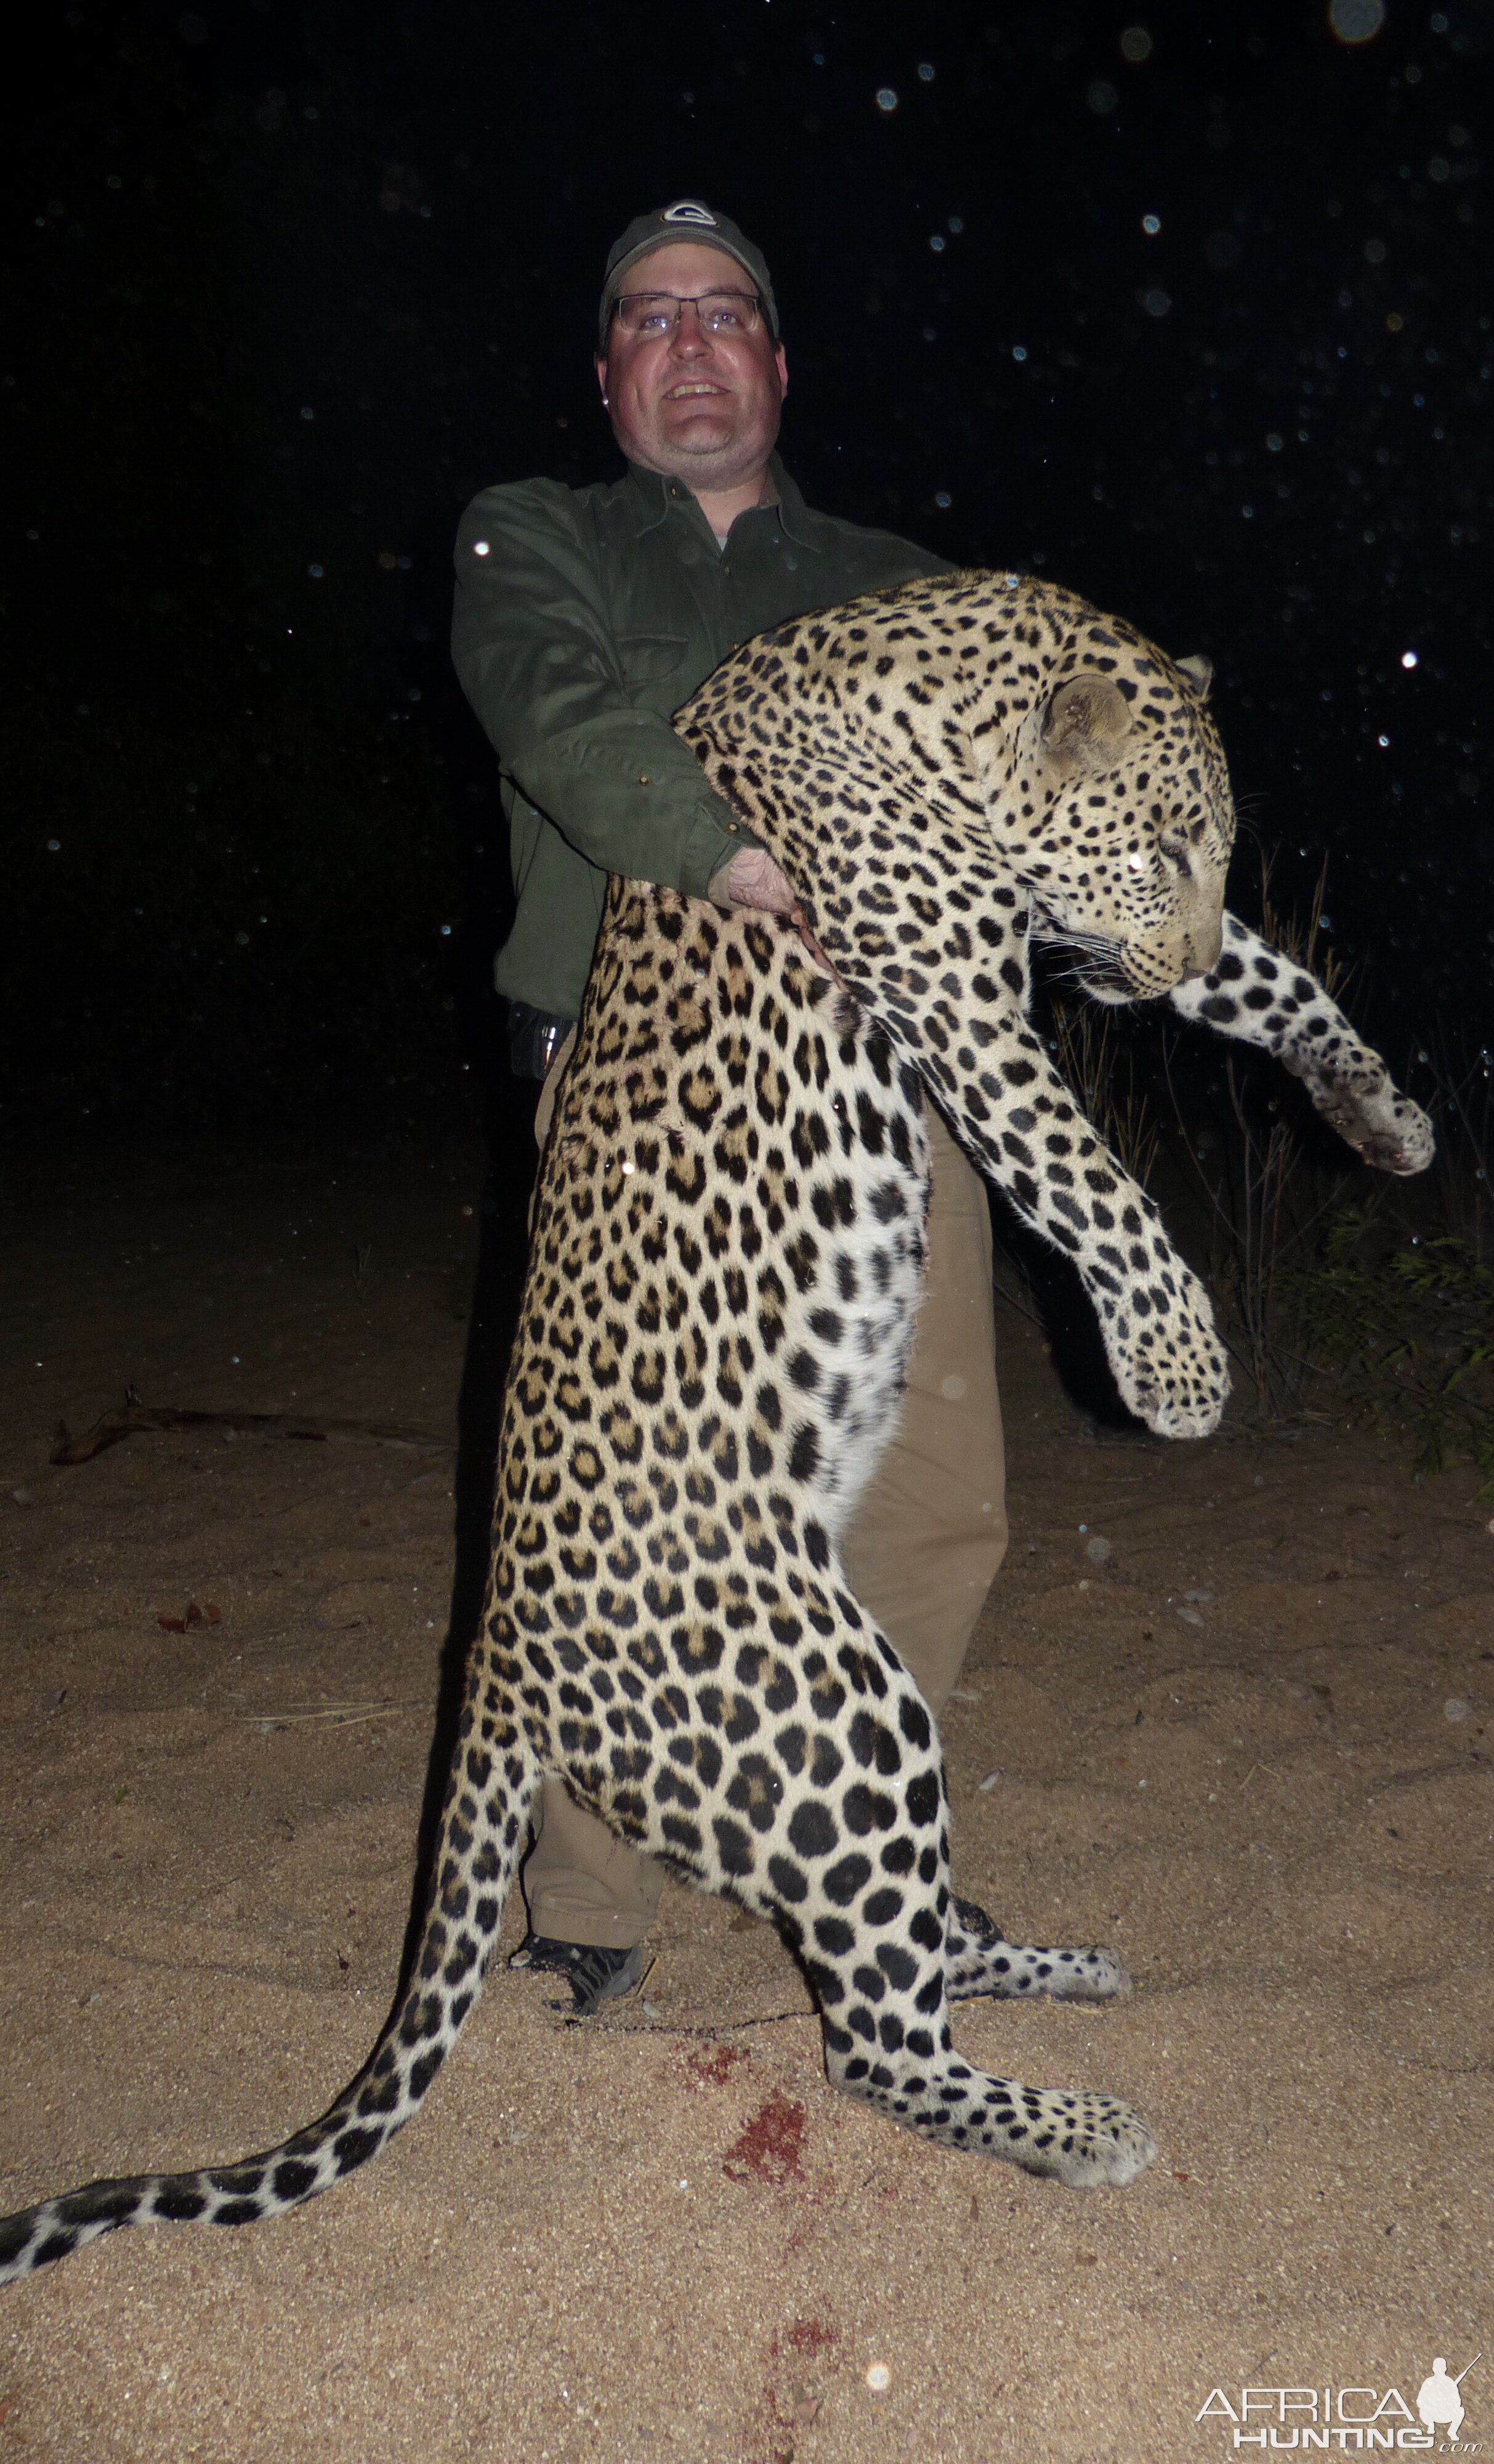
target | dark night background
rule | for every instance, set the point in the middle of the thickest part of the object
(289, 283)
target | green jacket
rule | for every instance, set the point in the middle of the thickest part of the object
(584, 618)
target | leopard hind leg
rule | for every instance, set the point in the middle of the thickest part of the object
(979, 1960)
(885, 2006)
(861, 1890)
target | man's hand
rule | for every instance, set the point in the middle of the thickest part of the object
(750, 878)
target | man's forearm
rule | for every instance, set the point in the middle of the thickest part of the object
(534, 649)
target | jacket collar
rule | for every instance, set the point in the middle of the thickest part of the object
(793, 511)
(650, 499)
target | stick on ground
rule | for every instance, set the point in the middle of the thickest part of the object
(135, 1419)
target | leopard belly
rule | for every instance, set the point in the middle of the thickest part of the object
(706, 1385)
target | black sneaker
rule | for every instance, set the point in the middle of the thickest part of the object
(596, 1974)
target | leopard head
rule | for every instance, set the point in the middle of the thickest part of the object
(1117, 815)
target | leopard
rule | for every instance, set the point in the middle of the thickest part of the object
(726, 1256)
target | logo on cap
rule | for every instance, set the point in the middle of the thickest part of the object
(688, 211)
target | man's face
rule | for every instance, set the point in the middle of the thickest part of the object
(701, 407)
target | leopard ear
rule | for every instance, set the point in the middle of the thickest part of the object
(1085, 722)
(1199, 672)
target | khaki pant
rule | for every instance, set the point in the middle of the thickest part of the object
(926, 1538)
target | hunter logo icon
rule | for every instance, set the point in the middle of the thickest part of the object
(1439, 2403)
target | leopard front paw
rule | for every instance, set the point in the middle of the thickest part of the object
(1382, 1125)
(1167, 1357)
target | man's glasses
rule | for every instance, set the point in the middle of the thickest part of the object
(653, 314)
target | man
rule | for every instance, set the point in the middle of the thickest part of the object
(584, 618)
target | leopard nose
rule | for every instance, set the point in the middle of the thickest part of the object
(1204, 943)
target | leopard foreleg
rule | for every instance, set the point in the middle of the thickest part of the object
(1262, 997)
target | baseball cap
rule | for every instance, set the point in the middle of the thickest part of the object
(686, 219)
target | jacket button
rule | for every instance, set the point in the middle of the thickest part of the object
(643, 779)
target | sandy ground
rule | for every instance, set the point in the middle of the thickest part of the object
(1247, 1746)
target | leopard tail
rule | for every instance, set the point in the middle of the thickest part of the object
(494, 1782)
